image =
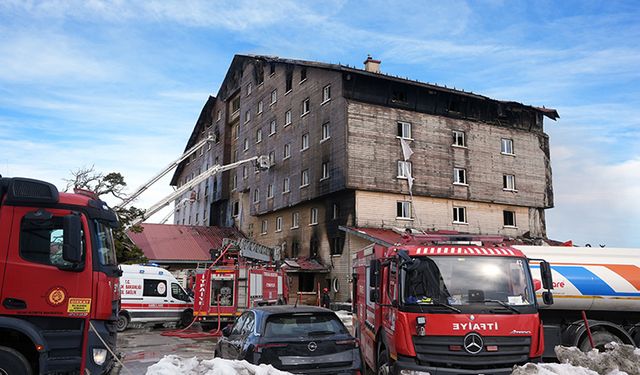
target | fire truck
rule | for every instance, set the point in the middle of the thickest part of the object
(444, 305)
(58, 280)
(242, 275)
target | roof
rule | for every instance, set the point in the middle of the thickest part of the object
(303, 264)
(180, 243)
(380, 236)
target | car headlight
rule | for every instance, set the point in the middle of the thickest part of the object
(99, 356)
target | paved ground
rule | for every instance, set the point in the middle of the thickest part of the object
(145, 346)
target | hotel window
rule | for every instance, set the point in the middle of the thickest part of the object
(234, 182)
(274, 96)
(285, 185)
(246, 144)
(325, 171)
(272, 128)
(287, 118)
(272, 158)
(236, 208)
(460, 215)
(305, 106)
(509, 218)
(314, 216)
(459, 176)
(295, 220)
(258, 135)
(260, 107)
(272, 69)
(506, 146)
(404, 130)
(403, 209)
(256, 195)
(218, 115)
(326, 93)
(288, 82)
(509, 182)
(264, 227)
(270, 191)
(279, 224)
(249, 89)
(303, 75)
(325, 131)
(404, 169)
(459, 138)
(304, 178)
(305, 141)
(336, 211)
(287, 151)
(245, 172)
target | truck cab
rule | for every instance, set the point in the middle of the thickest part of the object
(447, 309)
(58, 280)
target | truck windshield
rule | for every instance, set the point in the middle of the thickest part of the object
(105, 247)
(462, 281)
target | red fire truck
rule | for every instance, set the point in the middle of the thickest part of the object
(59, 288)
(429, 307)
(243, 275)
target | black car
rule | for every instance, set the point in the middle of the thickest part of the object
(300, 339)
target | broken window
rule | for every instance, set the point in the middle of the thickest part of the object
(306, 282)
(313, 248)
(509, 218)
(272, 68)
(303, 75)
(459, 176)
(459, 138)
(295, 249)
(404, 169)
(399, 96)
(509, 182)
(459, 215)
(403, 209)
(288, 82)
(404, 130)
(336, 246)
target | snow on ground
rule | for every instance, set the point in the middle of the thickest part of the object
(174, 365)
(616, 360)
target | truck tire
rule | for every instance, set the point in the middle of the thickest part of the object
(122, 323)
(186, 318)
(206, 327)
(600, 339)
(383, 364)
(12, 362)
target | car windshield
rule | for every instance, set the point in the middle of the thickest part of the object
(303, 325)
(457, 281)
(105, 248)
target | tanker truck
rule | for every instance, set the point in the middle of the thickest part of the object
(604, 283)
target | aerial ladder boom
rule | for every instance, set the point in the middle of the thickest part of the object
(166, 170)
(263, 163)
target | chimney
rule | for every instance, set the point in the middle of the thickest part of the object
(371, 65)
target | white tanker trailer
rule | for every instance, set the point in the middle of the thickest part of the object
(602, 282)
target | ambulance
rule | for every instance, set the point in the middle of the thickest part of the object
(152, 295)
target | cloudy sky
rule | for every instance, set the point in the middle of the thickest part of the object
(119, 85)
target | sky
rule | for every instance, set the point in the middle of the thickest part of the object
(119, 85)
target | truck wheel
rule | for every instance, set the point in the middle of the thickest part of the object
(12, 362)
(384, 367)
(185, 318)
(122, 323)
(600, 339)
(206, 327)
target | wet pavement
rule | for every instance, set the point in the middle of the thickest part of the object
(142, 347)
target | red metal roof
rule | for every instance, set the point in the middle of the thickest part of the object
(304, 264)
(384, 237)
(180, 242)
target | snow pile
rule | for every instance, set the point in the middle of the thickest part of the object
(618, 359)
(174, 365)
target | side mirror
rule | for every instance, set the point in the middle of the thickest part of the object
(537, 284)
(547, 298)
(374, 296)
(226, 331)
(545, 272)
(72, 239)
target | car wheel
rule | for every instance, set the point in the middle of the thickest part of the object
(600, 339)
(122, 323)
(186, 318)
(383, 365)
(12, 362)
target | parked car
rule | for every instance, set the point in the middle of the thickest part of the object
(152, 295)
(302, 339)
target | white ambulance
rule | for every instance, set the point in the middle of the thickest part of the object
(152, 295)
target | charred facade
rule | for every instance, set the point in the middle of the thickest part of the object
(333, 136)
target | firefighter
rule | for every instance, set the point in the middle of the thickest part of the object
(325, 300)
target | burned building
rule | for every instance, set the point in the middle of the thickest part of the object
(334, 139)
